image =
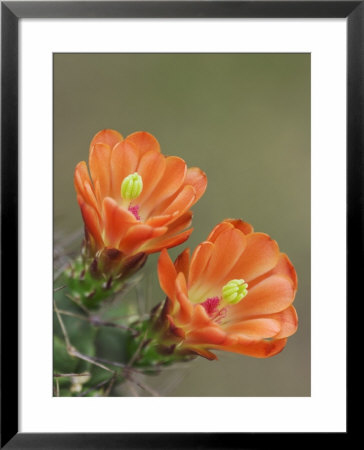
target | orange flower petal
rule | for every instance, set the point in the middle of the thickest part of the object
(220, 228)
(288, 322)
(274, 294)
(99, 163)
(144, 141)
(123, 162)
(171, 237)
(200, 258)
(185, 306)
(228, 248)
(151, 168)
(90, 196)
(194, 178)
(97, 192)
(168, 242)
(170, 182)
(138, 235)
(108, 137)
(285, 267)
(180, 223)
(182, 263)
(258, 349)
(183, 201)
(90, 219)
(80, 176)
(245, 227)
(167, 274)
(159, 221)
(198, 179)
(200, 317)
(181, 284)
(207, 336)
(255, 328)
(117, 221)
(83, 185)
(261, 255)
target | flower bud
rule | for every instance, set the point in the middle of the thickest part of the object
(234, 291)
(131, 187)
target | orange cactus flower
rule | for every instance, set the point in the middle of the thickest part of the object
(234, 294)
(137, 200)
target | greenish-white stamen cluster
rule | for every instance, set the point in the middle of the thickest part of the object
(234, 291)
(131, 187)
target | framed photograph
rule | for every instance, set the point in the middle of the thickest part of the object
(181, 189)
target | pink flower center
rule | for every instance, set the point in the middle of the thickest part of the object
(211, 306)
(135, 211)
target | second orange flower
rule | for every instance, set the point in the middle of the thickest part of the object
(234, 294)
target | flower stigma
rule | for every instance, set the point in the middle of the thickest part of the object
(234, 291)
(131, 187)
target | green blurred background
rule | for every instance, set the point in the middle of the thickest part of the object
(245, 120)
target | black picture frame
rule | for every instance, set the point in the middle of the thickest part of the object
(11, 12)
